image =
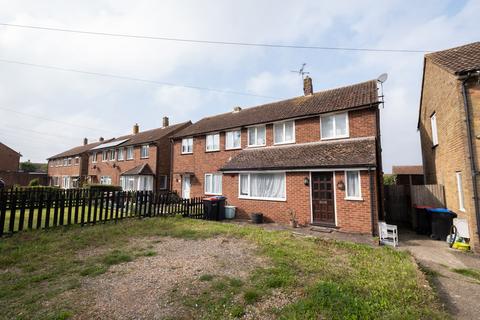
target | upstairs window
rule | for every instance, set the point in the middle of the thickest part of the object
(112, 155)
(213, 142)
(433, 122)
(94, 157)
(144, 151)
(353, 187)
(187, 145)
(77, 161)
(233, 140)
(130, 153)
(120, 154)
(334, 126)
(104, 155)
(256, 136)
(284, 132)
(213, 183)
(65, 162)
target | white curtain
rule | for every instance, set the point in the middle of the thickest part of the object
(353, 184)
(244, 184)
(327, 127)
(341, 124)
(279, 138)
(289, 131)
(267, 185)
(233, 139)
(260, 135)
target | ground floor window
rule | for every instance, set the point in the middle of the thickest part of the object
(213, 183)
(56, 181)
(263, 186)
(105, 180)
(353, 189)
(137, 183)
(66, 182)
(75, 182)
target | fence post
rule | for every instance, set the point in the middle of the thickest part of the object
(3, 209)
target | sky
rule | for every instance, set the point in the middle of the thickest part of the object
(45, 111)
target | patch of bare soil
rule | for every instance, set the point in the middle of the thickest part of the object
(146, 287)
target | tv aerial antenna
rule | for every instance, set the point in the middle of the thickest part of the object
(381, 79)
(302, 71)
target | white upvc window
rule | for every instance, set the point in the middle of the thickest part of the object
(112, 155)
(213, 183)
(263, 186)
(65, 162)
(130, 153)
(163, 182)
(334, 126)
(284, 132)
(77, 161)
(104, 155)
(187, 145)
(212, 142)
(353, 186)
(94, 157)
(257, 136)
(69, 161)
(461, 198)
(233, 140)
(106, 180)
(120, 154)
(433, 122)
(56, 181)
(144, 151)
(66, 182)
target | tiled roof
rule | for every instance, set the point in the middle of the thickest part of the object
(353, 96)
(143, 169)
(150, 135)
(458, 60)
(77, 150)
(407, 169)
(9, 148)
(326, 154)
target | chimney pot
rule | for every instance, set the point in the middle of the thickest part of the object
(85, 141)
(136, 128)
(165, 122)
(307, 86)
(101, 139)
(237, 109)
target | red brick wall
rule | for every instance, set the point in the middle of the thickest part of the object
(9, 159)
(72, 170)
(352, 216)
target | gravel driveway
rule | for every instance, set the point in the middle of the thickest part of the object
(150, 287)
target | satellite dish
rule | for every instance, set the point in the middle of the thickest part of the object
(382, 78)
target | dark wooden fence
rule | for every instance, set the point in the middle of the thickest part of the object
(42, 209)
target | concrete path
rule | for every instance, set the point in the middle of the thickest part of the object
(459, 294)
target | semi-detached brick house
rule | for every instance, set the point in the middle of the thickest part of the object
(317, 154)
(9, 158)
(69, 169)
(139, 161)
(449, 125)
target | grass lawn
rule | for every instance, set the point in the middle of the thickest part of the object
(331, 280)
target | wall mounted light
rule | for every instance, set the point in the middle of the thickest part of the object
(306, 181)
(341, 185)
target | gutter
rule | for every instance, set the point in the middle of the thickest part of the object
(471, 148)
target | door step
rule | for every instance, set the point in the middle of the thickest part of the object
(321, 229)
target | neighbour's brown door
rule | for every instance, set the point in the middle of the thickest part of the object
(323, 202)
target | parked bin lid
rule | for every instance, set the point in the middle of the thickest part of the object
(438, 210)
(210, 199)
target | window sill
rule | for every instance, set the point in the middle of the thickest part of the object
(208, 151)
(187, 153)
(130, 159)
(228, 149)
(212, 194)
(353, 199)
(263, 199)
(334, 138)
(144, 157)
(257, 146)
(283, 143)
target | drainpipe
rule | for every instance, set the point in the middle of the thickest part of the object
(372, 201)
(471, 149)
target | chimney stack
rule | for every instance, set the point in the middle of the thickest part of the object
(307, 86)
(237, 109)
(101, 139)
(136, 128)
(165, 122)
(85, 141)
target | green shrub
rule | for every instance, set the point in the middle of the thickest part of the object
(34, 182)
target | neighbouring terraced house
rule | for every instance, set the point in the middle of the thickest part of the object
(139, 161)
(318, 154)
(449, 125)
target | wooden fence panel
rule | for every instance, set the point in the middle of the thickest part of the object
(432, 195)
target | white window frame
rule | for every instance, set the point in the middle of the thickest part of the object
(106, 179)
(213, 135)
(359, 197)
(142, 148)
(121, 151)
(242, 196)
(283, 127)
(460, 193)
(111, 155)
(165, 184)
(69, 161)
(212, 177)
(335, 126)
(187, 142)
(76, 161)
(132, 155)
(256, 136)
(104, 155)
(226, 140)
(94, 157)
(433, 124)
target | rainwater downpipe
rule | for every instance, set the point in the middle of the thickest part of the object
(471, 149)
(372, 201)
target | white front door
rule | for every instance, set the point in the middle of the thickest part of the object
(186, 187)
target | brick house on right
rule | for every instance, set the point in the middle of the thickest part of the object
(449, 125)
